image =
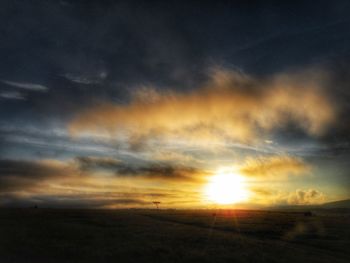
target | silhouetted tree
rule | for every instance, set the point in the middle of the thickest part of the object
(156, 203)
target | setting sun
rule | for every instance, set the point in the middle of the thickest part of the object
(226, 188)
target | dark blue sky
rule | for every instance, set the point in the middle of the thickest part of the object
(86, 52)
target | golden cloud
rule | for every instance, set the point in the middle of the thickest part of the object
(274, 166)
(230, 106)
(306, 197)
(269, 196)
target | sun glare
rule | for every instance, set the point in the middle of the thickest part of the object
(226, 188)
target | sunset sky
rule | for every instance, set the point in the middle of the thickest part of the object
(114, 104)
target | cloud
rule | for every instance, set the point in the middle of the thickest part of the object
(27, 86)
(262, 191)
(17, 175)
(72, 201)
(87, 79)
(230, 106)
(274, 166)
(272, 196)
(14, 95)
(173, 157)
(56, 176)
(77, 183)
(151, 170)
(306, 197)
(161, 171)
(90, 163)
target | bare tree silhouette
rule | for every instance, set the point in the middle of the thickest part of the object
(156, 203)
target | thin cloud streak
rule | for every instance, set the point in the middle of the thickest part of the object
(26, 86)
(12, 95)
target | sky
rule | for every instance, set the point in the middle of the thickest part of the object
(113, 104)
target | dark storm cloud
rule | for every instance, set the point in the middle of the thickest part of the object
(68, 201)
(17, 175)
(50, 183)
(26, 175)
(160, 170)
(90, 163)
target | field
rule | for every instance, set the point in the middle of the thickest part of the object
(135, 235)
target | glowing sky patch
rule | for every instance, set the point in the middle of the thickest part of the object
(227, 188)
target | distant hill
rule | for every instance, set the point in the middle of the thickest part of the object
(337, 204)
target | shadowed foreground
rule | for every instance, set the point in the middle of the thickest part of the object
(49, 235)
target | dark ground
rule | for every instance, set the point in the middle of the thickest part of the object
(54, 235)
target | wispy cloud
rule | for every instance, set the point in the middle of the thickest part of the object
(12, 95)
(273, 196)
(18, 175)
(274, 166)
(86, 79)
(152, 170)
(27, 86)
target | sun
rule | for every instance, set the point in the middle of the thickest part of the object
(226, 188)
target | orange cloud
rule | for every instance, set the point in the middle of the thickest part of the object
(274, 166)
(230, 106)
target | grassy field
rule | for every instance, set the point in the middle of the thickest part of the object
(133, 235)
